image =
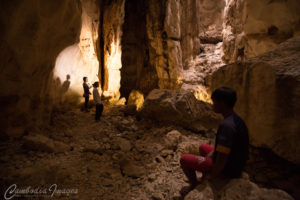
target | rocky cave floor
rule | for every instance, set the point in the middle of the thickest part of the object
(119, 158)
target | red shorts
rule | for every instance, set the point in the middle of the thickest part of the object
(198, 163)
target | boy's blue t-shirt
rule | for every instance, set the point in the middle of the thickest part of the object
(232, 138)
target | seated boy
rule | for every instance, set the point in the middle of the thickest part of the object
(228, 156)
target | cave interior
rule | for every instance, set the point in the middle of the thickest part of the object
(157, 64)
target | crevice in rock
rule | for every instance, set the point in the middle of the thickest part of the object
(210, 40)
(136, 71)
(102, 69)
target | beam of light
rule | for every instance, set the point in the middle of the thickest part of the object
(71, 62)
(114, 64)
(79, 60)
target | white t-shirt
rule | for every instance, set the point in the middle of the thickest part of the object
(96, 96)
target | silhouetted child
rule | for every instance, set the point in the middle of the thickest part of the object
(87, 93)
(97, 100)
(228, 156)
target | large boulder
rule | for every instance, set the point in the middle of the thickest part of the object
(136, 98)
(268, 90)
(179, 108)
(235, 189)
(238, 189)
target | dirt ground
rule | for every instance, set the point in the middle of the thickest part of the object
(113, 159)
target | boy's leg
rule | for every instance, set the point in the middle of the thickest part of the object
(206, 149)
(191, 163)
(86, 103)
(100, 109)
(97, 117)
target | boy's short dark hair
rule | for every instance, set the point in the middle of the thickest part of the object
(84, 78)
(226, 95)
(96, 84)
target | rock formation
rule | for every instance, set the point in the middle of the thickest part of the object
(181, 108)
(172, 51)
(268, 89)
(32, 35)
(235, 189)
(253, 27)
(79, 59)
(136, 73)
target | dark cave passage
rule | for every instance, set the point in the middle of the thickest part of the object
(136, 72)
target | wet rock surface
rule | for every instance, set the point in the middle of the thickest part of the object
(106, 162)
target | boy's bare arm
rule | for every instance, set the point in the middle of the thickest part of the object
(218, 167)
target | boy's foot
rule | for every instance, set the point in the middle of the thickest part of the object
(186, 189)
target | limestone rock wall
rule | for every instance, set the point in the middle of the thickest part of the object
(113, 18)
(78, 60)
(201, 43)
(191, 39)
(158, 46)
(32, 34)
(268, 89)
(253, 27)
(137, 73)
(201, 23)
(178, 32)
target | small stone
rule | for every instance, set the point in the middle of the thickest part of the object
(169, 169)
(151, 177)
(132, 169)
(107, 146)
(173, 138)
(157, 196)
(164, 153)
(136, 98)
(159, 159)
(124, 144)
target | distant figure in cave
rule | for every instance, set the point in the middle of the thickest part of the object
(87, 93)
(65, 86)
(97, 100)
(227, 158)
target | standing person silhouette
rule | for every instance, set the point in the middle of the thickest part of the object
(87, 93)
(97, 100)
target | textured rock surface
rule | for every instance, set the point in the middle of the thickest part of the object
(268, 89)
(173, 138)
(253, 27)
(179, 107)
(178, 32)
(98, 163)
(113, 19)
(136, 72)
(79, 59)
(236, 189)
(136, 98)
(32, 35)
(42, 143)
(245, 189)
